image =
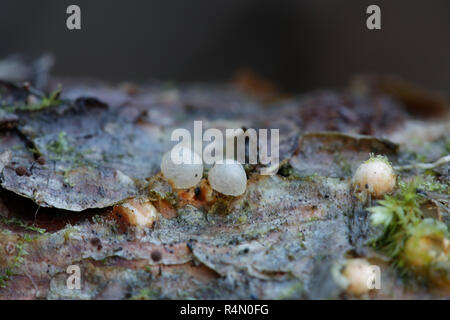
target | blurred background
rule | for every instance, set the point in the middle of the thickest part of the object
(298, 45)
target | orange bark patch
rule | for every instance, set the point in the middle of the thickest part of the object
(136, 212)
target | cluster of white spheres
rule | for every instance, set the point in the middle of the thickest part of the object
(375, 176)
(226, 176)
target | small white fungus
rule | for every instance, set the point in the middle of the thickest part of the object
(358, 274)
(228, 177)
(375, 176)
(182, 174)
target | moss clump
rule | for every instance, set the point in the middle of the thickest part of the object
(379, 157)
(60, 147)
(285, 170)
(430, 184)
(288, 172)
(15, 263)
(52, 100)
(61, 150)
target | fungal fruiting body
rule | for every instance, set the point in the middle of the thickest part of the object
(375, 176)
(428, 243)
(358, 274)
(182, 167)
(136, 212)
(228, 177)
(427, 252)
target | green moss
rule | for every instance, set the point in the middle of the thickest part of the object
(147, 294)
(285, 169)
(52, 100)
(98, 219)
(421, 158)
(60, 147)
(311, 178)
(401, 218)
(171, 197)
(430, 172)
(66, 178)
(378, 157)
(249, 168)
(14, 264)
(68, 232)
(429, 227)
(312, 219)
(432, 185)
(35, 151)
(242, 219)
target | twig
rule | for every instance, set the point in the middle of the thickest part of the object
(425, 166)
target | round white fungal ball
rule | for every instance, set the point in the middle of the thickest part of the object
(228, 177)
(182, 167)
(358, 274)
(376, 176)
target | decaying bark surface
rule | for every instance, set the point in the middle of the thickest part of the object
(67, 161)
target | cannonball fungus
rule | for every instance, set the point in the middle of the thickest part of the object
(358, 274)
(186, 172)
(375, 176)
(228, 177)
